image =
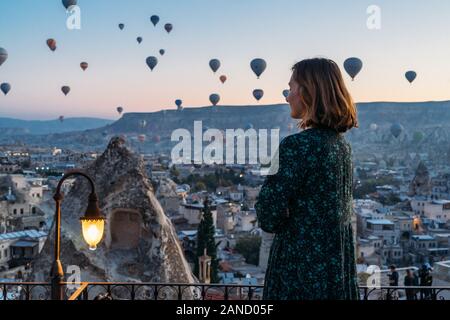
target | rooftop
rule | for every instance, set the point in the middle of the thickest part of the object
(424, 237)
(23, 234)
(440, 202)
(380, 221)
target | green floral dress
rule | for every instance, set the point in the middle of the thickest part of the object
(307, 204)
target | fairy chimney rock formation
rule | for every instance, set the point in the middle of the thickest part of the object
(140, 243)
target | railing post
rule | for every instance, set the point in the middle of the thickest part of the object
(203, 292)
(156, 291)
(433, 294)
(180, 294)
(250, 293)
(226, 297)
(86, 293)
(27, 292)
(133, 293)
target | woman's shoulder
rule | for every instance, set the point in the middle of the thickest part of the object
(299, 142)
(312, 138)
(303, 138)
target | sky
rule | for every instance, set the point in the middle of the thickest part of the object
(413, 36)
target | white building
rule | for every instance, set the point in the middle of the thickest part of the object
(382, 228)
(434, 209)
(20, 246)
(193, 213)
(245, 221)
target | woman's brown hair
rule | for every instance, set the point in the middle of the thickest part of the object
(325, 100)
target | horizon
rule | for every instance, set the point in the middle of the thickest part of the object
(183, 72)
(200, 107)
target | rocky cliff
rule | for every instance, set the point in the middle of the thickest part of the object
(140, 243)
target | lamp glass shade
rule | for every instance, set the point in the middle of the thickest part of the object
(92, 231)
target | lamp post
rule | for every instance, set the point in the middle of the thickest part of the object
(92, 223)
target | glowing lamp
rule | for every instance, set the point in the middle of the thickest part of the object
(93, 223)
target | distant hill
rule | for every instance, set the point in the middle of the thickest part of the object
(429, 119)
(9, 126)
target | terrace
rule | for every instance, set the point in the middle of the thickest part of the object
(175, 291)
(93, 226)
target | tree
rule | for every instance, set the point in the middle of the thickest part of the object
(174, 173)
(199, 186)
(205, 240)
(249, 247)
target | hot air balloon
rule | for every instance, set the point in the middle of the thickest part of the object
(84, 65)
(162, 52)
(154, 20)
(61, 119)
(51, 43)
(168, 27)
(121, 26)
(143, 123)
(139, 40)
(152, 62)
(142, 138)
(258, 66)
(3, 56)
(119, 110)
(373, 127)
(214, 98)
(353, 66)
(178, 103)
(411, 76)
(258, 94)
(5, 87)
(65, 90)
(223, 79)
(396, 130)
(68, 3)
(214, 64)
(286, 93)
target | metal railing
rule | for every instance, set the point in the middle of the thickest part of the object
(179, 291)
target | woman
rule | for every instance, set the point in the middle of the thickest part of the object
(307, 204)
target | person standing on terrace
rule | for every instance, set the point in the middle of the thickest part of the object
(307, 203)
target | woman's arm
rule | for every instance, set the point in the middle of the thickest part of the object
(272, 203)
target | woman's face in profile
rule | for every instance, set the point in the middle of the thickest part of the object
(294, 99)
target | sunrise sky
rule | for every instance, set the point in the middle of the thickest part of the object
(414, 35)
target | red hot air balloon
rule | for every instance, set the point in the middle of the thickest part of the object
(51, 43)
(223, 79)
(84, 65)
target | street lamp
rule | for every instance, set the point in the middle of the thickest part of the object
(92, 224)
